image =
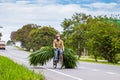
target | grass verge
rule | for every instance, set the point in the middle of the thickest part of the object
(19, 48)
(10, 70)
(99, 61)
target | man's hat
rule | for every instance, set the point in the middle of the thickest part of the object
(58, 34)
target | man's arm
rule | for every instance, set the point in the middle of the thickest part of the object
(62, 45)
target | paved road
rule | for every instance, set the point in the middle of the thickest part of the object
(84, 71)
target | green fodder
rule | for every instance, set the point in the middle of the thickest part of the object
(46, 53)
(10, 70)
(41, 56)
(69, 58)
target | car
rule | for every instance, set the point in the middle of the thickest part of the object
(2, 45)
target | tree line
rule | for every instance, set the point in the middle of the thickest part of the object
(34, 37)
(99, 35)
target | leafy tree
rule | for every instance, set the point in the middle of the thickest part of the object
(9, 42)
(100, 35)
(33, 36)
(22, 35)
(103, 36)
(74, 30)
(43, 36)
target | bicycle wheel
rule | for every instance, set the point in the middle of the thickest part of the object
(54, 63)
(61, 61)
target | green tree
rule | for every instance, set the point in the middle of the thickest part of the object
(33, 36)
(103, 36)
(22, 35)
(74, 30)
(100, 35)
(43, 36)
(9, 42)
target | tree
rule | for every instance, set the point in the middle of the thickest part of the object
(22, 35)
(9, 42)
(74, 30)
(33, 36)
(43, 36)
(100, 35)
(103, 38)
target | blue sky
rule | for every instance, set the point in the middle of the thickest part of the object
(16, 13)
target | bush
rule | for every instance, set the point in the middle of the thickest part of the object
(117, 58)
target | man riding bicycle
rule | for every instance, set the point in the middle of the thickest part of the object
(58, 47)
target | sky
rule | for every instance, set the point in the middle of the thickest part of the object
(16, 13)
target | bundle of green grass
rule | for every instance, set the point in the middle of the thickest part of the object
(45, 54)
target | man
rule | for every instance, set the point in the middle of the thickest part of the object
(58, 47)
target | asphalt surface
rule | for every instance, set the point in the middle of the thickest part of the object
(84, 71)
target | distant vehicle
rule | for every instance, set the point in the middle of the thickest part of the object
(2, 45)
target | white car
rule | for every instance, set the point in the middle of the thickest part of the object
(2, 45)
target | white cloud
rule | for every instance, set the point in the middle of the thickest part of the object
(14, 15)
(22, 2)
(102, 6)
(7, 0)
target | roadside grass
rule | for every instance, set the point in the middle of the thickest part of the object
(19, 48)
(84, 59)
(10, 70)
(23, 49)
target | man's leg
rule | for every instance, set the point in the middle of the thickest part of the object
(60, 55)
(56, 54)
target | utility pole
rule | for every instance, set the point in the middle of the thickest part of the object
(0, 32)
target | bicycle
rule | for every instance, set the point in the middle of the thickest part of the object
(59, 60)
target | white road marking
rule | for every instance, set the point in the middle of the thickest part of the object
(83, 67)
(76, 78)
(110, 73)
(95, 70)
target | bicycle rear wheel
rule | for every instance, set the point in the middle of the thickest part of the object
(54, 63)
(61, 61)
